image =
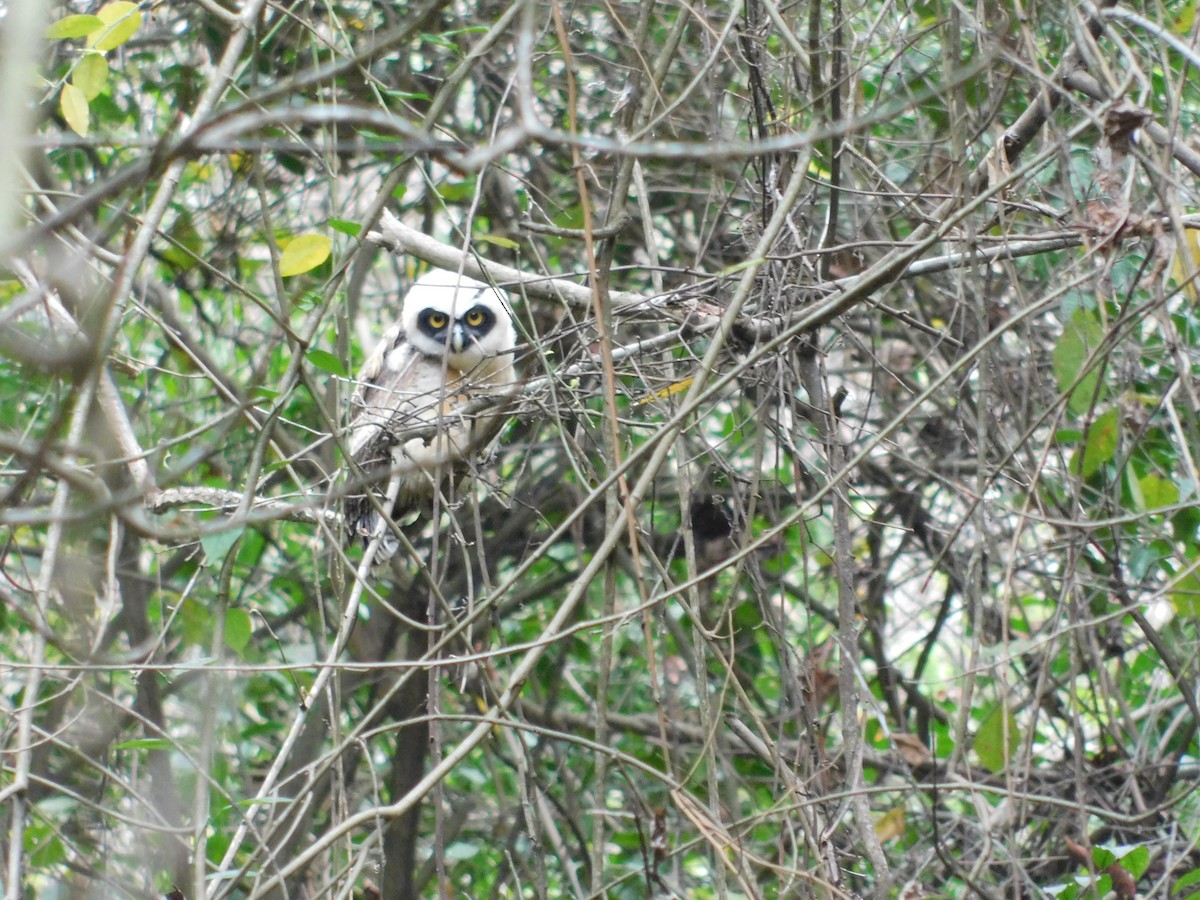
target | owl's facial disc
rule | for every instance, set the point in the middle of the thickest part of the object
(459, 338)
(461, 334)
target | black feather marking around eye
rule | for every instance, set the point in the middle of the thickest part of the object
(478, 317)
(426, 322)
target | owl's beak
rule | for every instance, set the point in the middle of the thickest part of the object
(458, 338)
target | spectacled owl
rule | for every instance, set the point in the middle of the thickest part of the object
(409, 416)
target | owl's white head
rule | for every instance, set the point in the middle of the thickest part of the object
(450, 315)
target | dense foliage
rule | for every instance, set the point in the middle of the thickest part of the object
(844, 537)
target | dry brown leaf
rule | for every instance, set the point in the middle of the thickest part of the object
(912, 750)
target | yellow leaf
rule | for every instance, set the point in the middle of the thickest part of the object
(891, 825)
(737, 267)
(74, 108)
(1185, 19)
(670, 390)
(73, 27)
(1185, 595)
(816, 170)
(1156, 493)
(121, 20)
(1185, 262)
(90, 75)
(305, 252)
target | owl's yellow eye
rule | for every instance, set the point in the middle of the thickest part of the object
(436, 320)
(475, 318)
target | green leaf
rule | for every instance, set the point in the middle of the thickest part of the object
(1101, 444)
(1191, 878)
(74, 27)
(1185, 595)
(327, 362)
(238, 628)
(144, 744)
(91, 75)
(1146, 559)
(74, 107)
(407, 95)
(507, 243)
(263, 801)
(456, 191)
(44, 847)
(122, 19)
(217, 546)
(997, 739)
(1080, 338)
(345, 227)
(304, 253)
(1068, 435)
(1136, 861)
(187, 247)
(1063, 892)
